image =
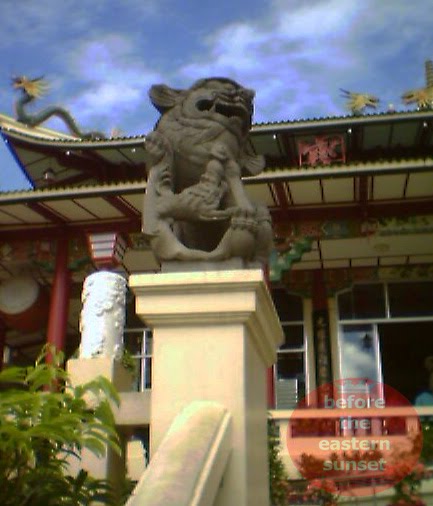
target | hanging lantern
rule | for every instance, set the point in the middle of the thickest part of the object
(107, 249)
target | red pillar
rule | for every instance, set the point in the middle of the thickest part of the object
(270, 387)
(320, 300)
(58, 317)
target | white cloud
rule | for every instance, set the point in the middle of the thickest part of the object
(38, 21)
(114, 83)
(323, 20)
(282, 56)
(358, 363)
(300, 54)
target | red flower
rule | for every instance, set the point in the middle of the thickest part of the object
(419, 470)
(315, 484)
(329, 486)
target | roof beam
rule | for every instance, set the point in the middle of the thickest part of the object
(84, 158)
(122, 206)
(281, 195)
(47, 232)
(362, 197)
(46, 213)
(83, 163)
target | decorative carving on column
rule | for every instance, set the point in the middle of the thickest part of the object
(322, 344)
(103, 315)
(321, 332)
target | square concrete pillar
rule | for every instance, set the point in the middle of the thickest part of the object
(215, 334)
(83, 370)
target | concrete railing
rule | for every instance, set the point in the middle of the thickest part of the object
(188, 466)
(309, 426)
(393, 422)
(134, 409)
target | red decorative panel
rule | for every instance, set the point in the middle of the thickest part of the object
(324, 150)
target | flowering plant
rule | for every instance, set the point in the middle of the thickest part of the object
(324, 491)
(320, 491)
(409, 479)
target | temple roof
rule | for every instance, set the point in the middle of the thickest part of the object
(367, 140)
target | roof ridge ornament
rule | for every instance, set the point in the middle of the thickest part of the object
(422, 96)
(358, 102)
(32, 89)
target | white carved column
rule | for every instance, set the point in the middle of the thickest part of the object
(214, 336)
(103, 315)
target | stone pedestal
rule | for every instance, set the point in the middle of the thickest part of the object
(111, 466)
(215, 334)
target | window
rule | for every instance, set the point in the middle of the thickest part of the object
(137, 340)
(362, 301)
(360, 352)
(290, 369)
(377, 301)
(139, 344)
(289, 306)
(411, 299)
(385, 334)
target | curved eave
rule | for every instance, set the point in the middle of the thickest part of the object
(42, 135)
(72, 160)
(72, 192)
(32, 136)
(341, 121)
(341, 171)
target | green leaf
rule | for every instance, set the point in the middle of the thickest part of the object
(13, 374)
(40, 430)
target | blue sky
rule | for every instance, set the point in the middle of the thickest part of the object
(101, 56)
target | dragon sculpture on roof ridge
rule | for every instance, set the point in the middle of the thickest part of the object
(32, 89)
(422, 96)
(357, 102)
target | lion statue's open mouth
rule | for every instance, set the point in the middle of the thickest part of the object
(227, 109)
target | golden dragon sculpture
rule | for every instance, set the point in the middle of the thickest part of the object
(358, 102)
(32, 89)
(423, 97)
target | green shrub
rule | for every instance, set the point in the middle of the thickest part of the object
(44, 423)
(278, 479)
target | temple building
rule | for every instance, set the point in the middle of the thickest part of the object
(351, 272)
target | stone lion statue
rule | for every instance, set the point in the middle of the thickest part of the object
(195, 207)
